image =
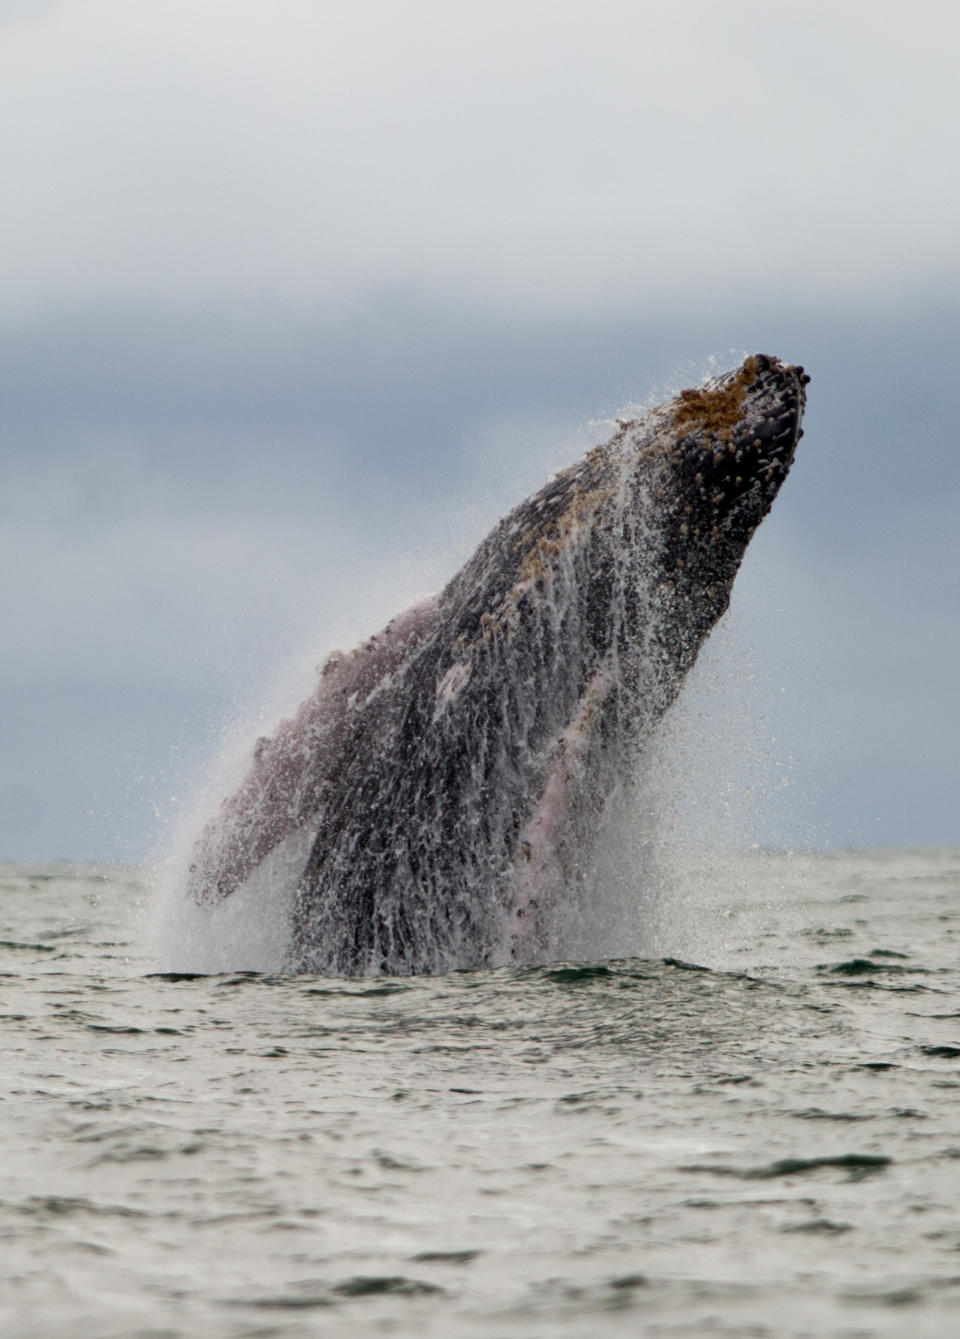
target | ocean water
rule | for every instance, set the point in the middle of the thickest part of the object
(752, 1130)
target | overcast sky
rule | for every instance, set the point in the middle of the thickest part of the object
(297, 298)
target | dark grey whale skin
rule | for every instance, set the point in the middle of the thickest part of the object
(455, 791)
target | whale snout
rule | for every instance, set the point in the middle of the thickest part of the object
(760, 453)
(766, 362)
(737, 438)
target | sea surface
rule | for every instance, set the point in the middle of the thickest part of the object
(751, 1130)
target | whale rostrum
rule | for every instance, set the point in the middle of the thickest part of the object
(446, 780)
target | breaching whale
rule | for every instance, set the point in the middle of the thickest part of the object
(445, 782)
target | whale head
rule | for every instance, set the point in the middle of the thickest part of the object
(730, 445)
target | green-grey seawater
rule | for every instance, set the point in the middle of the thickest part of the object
(755, 1132)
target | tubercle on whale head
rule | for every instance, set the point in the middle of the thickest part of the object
(733, 444)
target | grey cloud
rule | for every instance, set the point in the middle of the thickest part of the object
(544, 156)
(189, 505)
(17, 11)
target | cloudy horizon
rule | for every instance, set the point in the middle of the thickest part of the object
(298, 300)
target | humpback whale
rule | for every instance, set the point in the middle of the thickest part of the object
(443, 786)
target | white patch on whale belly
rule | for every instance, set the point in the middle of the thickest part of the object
(451, 686)
(541, 870)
